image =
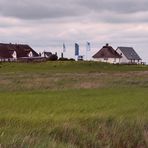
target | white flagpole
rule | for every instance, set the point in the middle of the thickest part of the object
(64, 49)
(87, 49)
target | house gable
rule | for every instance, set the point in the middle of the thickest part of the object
(14, 55)
(129, 55)
(30, 54)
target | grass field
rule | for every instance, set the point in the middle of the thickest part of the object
(73, 105)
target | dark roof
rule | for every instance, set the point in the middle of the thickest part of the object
(107, 52)
(22, 50)
(130, 53)
(5, 51)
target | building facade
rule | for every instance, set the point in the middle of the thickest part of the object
(129, 55)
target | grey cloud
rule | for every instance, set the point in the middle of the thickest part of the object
(50, 9)
(112, 17)
(120, 6)
(36, 9)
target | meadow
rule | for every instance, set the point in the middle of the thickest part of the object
(73, 105)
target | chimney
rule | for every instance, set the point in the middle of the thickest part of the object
(107, 44)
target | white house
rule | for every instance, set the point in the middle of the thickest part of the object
(129, 55)
(107, 54)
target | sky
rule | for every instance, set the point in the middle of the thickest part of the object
(47, 24)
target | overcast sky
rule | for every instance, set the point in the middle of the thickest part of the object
(46, 24)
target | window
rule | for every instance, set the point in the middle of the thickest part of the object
(105, 59)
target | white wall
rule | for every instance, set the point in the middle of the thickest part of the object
(123, 59)
(109, 60)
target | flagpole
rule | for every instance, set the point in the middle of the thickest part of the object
(88, 48)
(86, 51)
(63, 50)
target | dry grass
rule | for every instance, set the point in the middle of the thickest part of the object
(73, 105)
(63, 81)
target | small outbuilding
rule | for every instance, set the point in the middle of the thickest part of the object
(107, 54)
(46, 54)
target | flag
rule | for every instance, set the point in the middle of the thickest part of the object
(76, 49)
(88, 47)
(64, 48)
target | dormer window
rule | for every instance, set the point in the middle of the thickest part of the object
(30, 54)
(14, 55)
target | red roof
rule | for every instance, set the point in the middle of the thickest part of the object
(107, 52)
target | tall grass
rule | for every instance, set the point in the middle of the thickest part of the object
(73, 105)
(82, 118)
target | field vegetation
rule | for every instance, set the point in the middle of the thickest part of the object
(73, 105)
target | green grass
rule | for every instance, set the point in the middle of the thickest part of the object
(63, 67)
(73, 105)
(66, 116)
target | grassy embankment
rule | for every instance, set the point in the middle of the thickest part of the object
(69, 104)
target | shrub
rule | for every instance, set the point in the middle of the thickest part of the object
(53, 57)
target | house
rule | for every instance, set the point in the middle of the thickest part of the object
(46, 54)
(7, 53)
(23, 50)
(13, 52)
(129, 55)
(107, 54)
(49, 56)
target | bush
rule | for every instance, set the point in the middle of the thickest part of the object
(71, 59)
(66, 59)
(63, 59)
(53, 57)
